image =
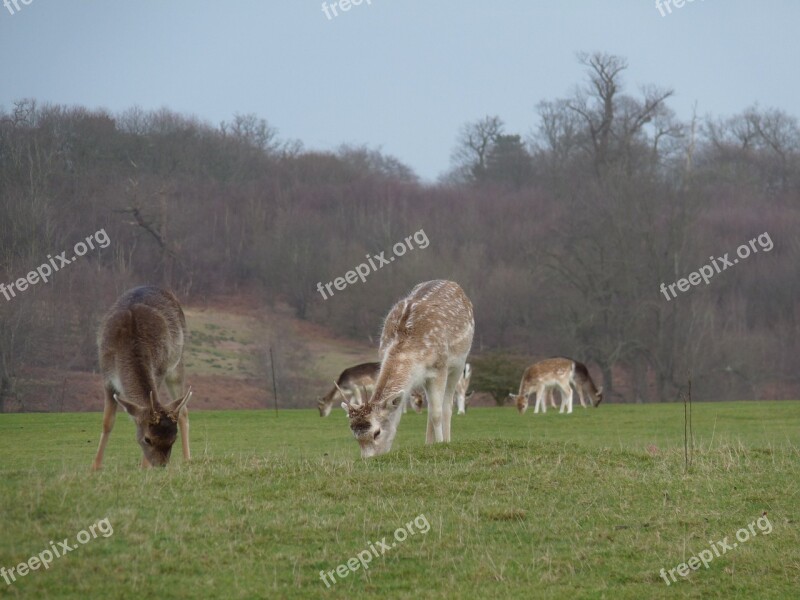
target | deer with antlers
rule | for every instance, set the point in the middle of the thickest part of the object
(543, 376)
(140, 344)
(350, 384)
(425, 342)
(355, 385)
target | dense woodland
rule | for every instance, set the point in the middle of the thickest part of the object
(561, 235)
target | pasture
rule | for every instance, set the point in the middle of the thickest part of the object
(590, 505)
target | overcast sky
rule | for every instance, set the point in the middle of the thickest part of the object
(402, 75)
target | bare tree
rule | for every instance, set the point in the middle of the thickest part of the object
(475, 141)
(613, 122)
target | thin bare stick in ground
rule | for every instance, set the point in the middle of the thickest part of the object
(688, 434)
(274, 383)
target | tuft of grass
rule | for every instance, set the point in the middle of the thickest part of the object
(547, 506)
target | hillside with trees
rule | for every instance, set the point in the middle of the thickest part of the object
(561, 235)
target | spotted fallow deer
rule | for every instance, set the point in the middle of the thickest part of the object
(461, 398)
(541, 377)
(356, 384)
(140, 343)
(425, 342)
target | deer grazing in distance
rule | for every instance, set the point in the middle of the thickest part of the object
(356, 384)
(542, 377)
(351, 381)
(140, 344)
(461, 398)
(425, 342)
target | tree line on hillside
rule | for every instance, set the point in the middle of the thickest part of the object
(561, 236)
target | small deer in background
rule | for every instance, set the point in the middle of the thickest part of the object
(141, 346)
(541, 377)
(461, 397)
(351, 382)
(355, 385)
(425, 342)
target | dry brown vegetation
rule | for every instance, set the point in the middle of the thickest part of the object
(561, 238)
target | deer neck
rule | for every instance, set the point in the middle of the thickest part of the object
(398, 376)
(526, 385)
(137, 381)
(329, 397)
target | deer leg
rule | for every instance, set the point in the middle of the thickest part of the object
(544, 392)
(109, 416)
(183, 427)
(174, 381)
(580, 396)
(538, 404)
(435, 389)
(355, 395)
(552, 398)
(566, 394)
(447, 405)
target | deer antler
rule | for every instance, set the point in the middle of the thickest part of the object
(341, 392)
(155, 417)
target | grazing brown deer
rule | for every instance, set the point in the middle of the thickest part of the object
(542, 376)
(425, 342)
(351, 381)
(141, 345)
(461, 397)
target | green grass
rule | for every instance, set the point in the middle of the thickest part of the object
(590, 505)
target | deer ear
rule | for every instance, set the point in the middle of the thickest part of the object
(346, 407)
(176, 406)
(133, 409)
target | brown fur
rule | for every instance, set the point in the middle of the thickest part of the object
(140, 344)
(350, 380)
(584, 382)
(357, 383)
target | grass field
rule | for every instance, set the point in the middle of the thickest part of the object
(590, 505)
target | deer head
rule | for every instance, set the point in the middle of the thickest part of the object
(417, 400)
(324, 407)
(374, 424)
(156, 426)
(598, 397)
(520, 401)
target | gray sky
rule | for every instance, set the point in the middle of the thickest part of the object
(400, 74)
